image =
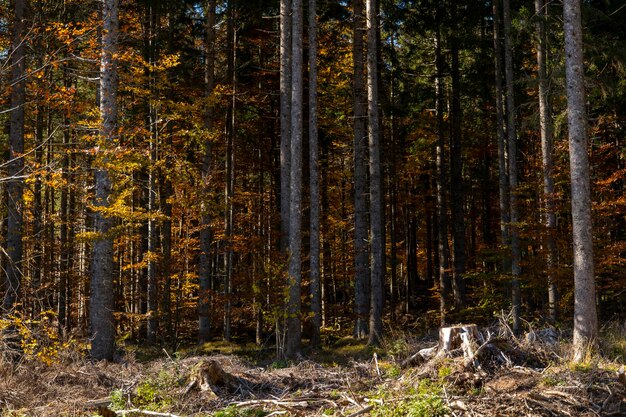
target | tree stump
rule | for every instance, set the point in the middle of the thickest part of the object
(463, 336)
(209, 376)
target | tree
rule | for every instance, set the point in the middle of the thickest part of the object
(377, 267)
(16, 158)
(440, 167)
(206, 238)
(285, 120)
(512, 165)
(294, 330)
(585, 316)
(314, 235)
(102, 296)
(359, 108)
(545, 121)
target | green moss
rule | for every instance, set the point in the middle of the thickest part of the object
(234, 411)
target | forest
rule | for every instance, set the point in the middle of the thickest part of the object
(291, 177)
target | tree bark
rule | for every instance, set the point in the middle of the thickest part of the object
(442, 209)
(545, 120)
(294, 330)
(512, 164)
(377, 267)
(206, 235)
(585, 315)
(359, 108)
(314, 236)
(503, 174)
(15, 185)
(102, 297)
(285, 121)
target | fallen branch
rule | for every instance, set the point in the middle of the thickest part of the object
(361, 411)
(145, 413)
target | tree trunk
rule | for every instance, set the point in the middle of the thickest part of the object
(456, 181)
(15, 186)
(503, 174)
(442, 209)
(585, 316)
(229, 194)
(359, 107)
(206, 236)
(285, 121)
(377, 267)
(512, 162)
(294, 330)
(545, 120)
(102, 297)
(316, 306)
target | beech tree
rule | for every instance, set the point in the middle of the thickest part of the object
(585, 316)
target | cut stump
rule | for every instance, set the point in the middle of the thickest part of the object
(209, 376)
(464, 336)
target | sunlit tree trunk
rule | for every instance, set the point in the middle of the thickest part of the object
(102, 302)
(377, 267)
(359, 107)
(294, 330)
(545, 120)
(585, 315)
(512, 164)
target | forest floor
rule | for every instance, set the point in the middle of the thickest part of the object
(349, 379)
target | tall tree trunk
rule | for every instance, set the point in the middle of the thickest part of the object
(585, 315)
(230, 170)
(359, 106)
(512, 162)
(206, 236)
(503, 174)
(16, 161)
(151, 273)
(294, 330)
(285, 121)
(102, 297)
(377, 267)
(456, 180)
(316, 306)
(545, 120)
(442, 209)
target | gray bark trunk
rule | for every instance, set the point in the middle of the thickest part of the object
(15, 186)
(316, 305)
(585, 315)
(361, 258)
(512, 162)
(294, 330)
(229, 193)
(206, 235)
(456, 182)
(102, 297)
(503, 174)
(285, 121)
(377, 267)
(545, 120)
(442, 209)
